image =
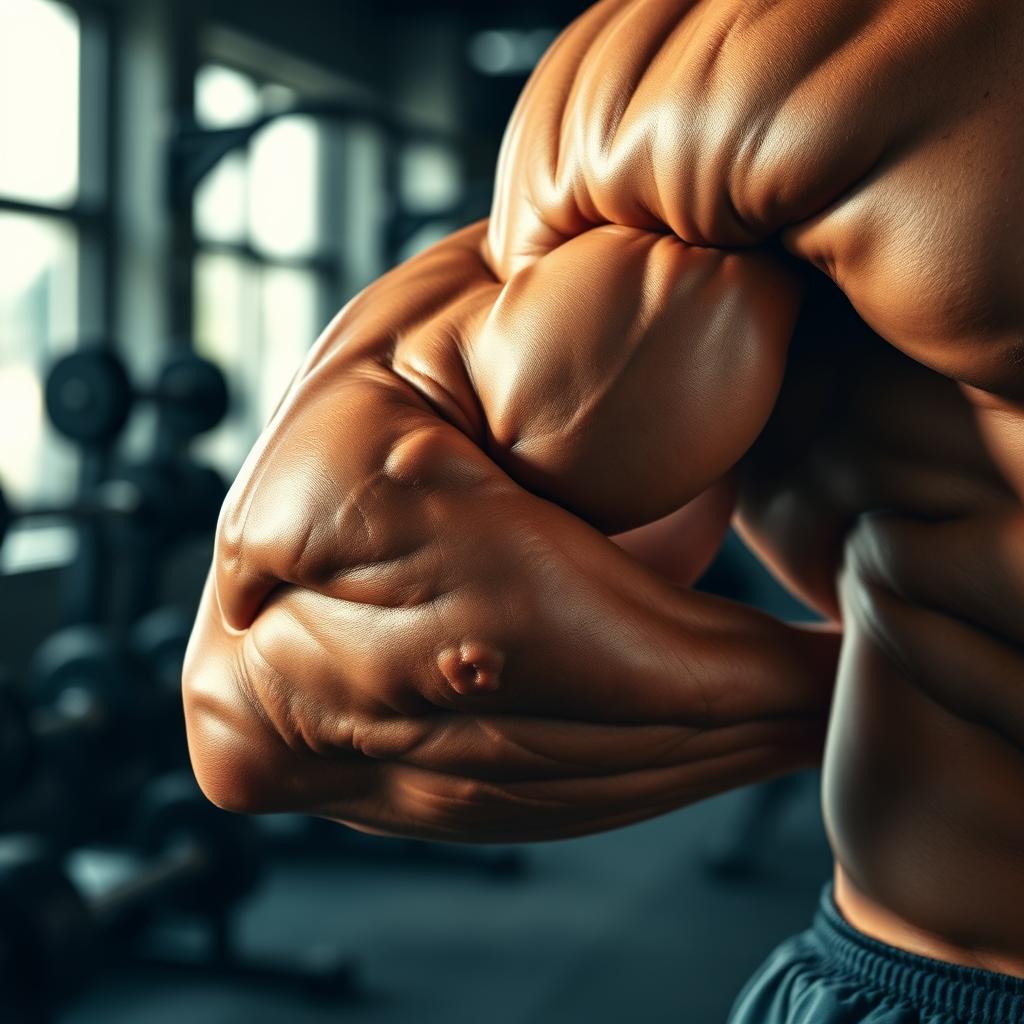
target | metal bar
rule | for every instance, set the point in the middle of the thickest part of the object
(195, 151)
(183, 30)
(88, 214)
(320, 263)
(96, 127)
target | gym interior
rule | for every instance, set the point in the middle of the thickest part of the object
(189, 191)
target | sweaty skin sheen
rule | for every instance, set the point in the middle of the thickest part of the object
(398, 634)
(416, 622)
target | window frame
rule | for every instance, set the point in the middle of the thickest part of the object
(92, 218)
(91, 213)
(245, 55)
(327, 264)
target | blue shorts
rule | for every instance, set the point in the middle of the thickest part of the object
(834, 974)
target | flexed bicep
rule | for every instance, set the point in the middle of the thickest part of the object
(421, 527)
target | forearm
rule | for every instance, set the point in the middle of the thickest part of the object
(390, 609)
(482, 775)
(614, 696)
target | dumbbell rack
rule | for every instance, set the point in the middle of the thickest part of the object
(100, 717)
(77, 742)
(89, 400)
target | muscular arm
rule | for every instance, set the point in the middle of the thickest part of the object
(397, 633)
(415, 620)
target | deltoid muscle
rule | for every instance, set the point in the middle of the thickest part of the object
(420, 528)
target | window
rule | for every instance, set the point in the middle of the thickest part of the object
(39, 58)
(283, 230)
(429, 188)
(265, 281)
(52, 226)
(38, 315)
(292, 226)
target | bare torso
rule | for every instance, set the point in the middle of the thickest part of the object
(885, 494)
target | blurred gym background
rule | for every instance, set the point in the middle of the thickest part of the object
(188, 192)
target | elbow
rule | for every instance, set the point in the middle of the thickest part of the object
(230, 767)
(237, 756)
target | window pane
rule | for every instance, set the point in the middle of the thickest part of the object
(283, 207)
(430, 234)
(38, 319)
(220, 204)
(429, 177)
(365, 204)
(225, 97)
(289, 328)
(258, 323)
(39, 48)
(227, 331)
(275, 96)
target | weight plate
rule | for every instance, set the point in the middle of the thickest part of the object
(202, 493)
(176, 499)
(89, 396)
(193, 395)
(155, 516)
(82, 657)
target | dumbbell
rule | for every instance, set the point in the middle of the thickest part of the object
(89, 395)
(78, 715)
(169, 497)
(192, 859)
(53, 936)
(175, 498)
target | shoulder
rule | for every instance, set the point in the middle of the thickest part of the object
(721, 120)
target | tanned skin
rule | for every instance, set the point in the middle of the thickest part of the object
(765, 249)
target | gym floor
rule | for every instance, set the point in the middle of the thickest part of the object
(628, 925)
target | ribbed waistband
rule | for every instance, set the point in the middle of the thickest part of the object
(968, 993)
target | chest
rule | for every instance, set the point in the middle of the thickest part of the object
(860, 428)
